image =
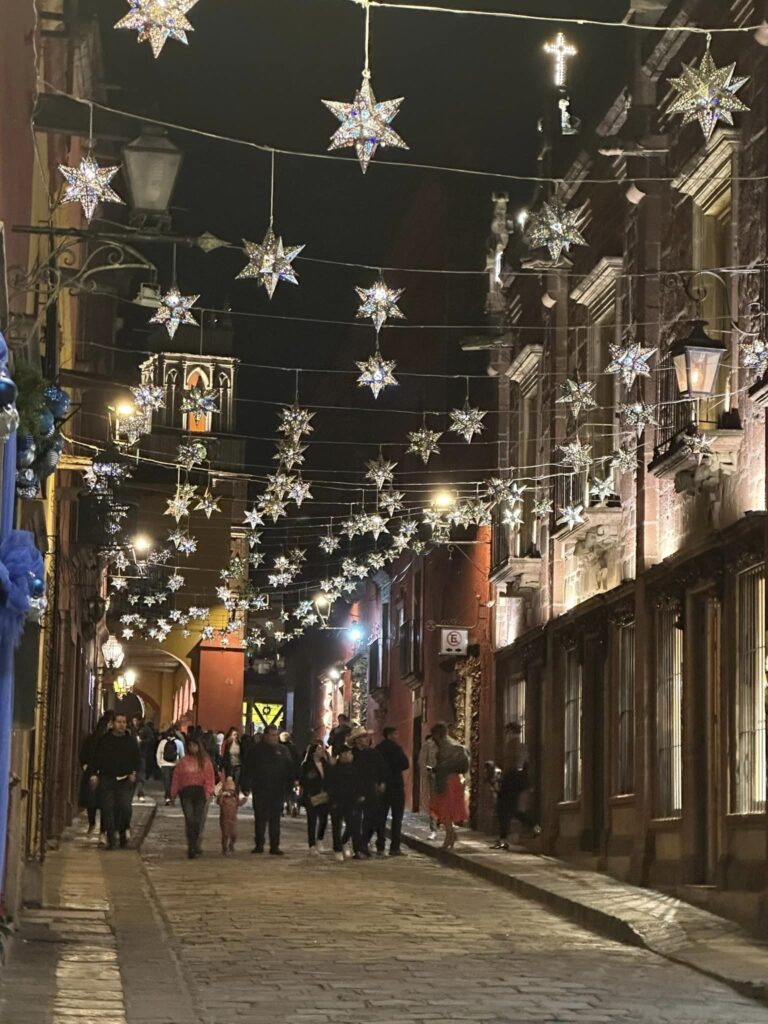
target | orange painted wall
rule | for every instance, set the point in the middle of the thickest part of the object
(220, 683)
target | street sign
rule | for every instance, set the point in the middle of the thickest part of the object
(454, 641)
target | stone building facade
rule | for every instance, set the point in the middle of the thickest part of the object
(633, 645)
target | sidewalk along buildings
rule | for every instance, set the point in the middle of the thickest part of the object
(629, 618)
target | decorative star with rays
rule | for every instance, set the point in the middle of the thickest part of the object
(376, 374)
(149, 396)
(277, 485)
(555, 228)
(208, 504)
(576, 455)
(637, 416)
(328, 544)
(391, 501)
(399, 543)
(350, 527)
(624, 459)
(253, 518)
(513, 517)
(187, 546)
(119, 582)
(175, 582)
(376, 561)
(271, 262)
(754, 356)
(289, 452)
(273, 507)
(467, 422)
(629, 362)
(299, 491)
(380, 471)
(379, 303)
(191, 454)
(178, 505)
(176, 537)
(157, 21)
(174, 310)
(254, 537)
(295, 422)
(365, 123)
(255, 559)
(376, 524)
(128, 633)
(707, 94)
(577, 395)
(423, 442)
(699, 445)
(601, 489)
(89, 185)
(498, 489)
(571, 516)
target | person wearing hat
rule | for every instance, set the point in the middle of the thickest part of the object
(268, 769)
(371, 777)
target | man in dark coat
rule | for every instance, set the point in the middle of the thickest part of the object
(337, 738)
(370, 782)
(114, 768)
(393, 798)
(267, 770)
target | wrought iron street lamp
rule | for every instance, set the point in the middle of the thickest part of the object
(697, 359)
(112, 652)
(152, 163)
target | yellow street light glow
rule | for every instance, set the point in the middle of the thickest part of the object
(125, 409)
(322, 601)
(141, 543)
(333, 673)
(130, 677)
(443, 499)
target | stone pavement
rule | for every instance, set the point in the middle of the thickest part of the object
(639, 917)
(300, 940)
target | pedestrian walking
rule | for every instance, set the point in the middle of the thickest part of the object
(232, 756)
(88, 796)
(392, 801)
(314, 790)
(170, 751)
(427, 765)
(341, 780)
(229, 803)
(449, 803)
(292, 800)
(267, 770)
(339, 735)
(193, 783)
(114, 768)
(148, 751)
(370, 780)
(514, 782)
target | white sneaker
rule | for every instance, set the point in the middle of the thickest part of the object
(348, 852)
(432, 835)
(321, 845)
(314, 851)
(339, 855)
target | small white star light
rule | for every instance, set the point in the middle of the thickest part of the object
(299, 491)
(391, 501)
(467, 422)
(571, 516)
(328, 544)
(89, 185)
(754, 356)
(200, 401)
(577, 395)
(624, 459)
(707, 94)
(253, 518)
(629, 362)
(380, 471)
(178, 505)
(601, 490)
(271, 262)
(191, 454)
(699, 445)
(555, 228)
(513, 517)
(637, 416)
(376, 374)
(423, 442)
(150, 397)
(174, 310)
(295, 422)
(365, 124)
(208, 504)
(576, 455)
(379, 303)
(543, 508)
(157, 21)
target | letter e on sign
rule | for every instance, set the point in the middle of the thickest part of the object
(454, 641)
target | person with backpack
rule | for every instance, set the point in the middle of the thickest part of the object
(170, 751)
(449, 803)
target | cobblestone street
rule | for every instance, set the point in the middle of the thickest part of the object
(311, 941)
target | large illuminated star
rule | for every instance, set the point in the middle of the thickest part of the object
(379, 303)
(423, 442)
(157, 21)
(467, 421)
(376, 374)
(270, 262)
(365, 123)
(629, 362)
(555, 228)
(174, 310)
(707, 94)
(577, 395)
(89, 185)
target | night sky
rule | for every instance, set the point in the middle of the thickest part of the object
(474, 89)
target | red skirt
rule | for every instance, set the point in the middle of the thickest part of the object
(451, 804)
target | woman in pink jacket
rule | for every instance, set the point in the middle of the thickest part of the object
(193, 782)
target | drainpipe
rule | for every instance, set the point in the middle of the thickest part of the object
(7, 505)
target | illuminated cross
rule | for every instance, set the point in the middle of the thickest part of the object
(562, 51)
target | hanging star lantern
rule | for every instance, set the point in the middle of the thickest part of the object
(379, 303)
(513, 517)
(624, 459)
(577, 395)
(273, 507)
(128, 633)
(467, 422)
(299, 491)
(707, 94)
(576, 455)
(256, 559)
(253, 518)
(601, 489)
(571, 516)
(89, 185)
(295, 422)
(174, 310)
(289, 452)
(754, 356)
(278, 484)
(200, 401)
(271, 262)
(157, 21)
(149, 396)
(376, 561)
(365, 124)
(187, 546)
(376, 374)
(191, 454)
(119, 582)
(328, 544)
(391, 501)
(208, 504)
(423, 442)
(637, 416)
(178, 505)
(699, 445)
(629, 362)
(555, 228)
(175, 582)
(380, 471)
(254, 537)
(376, 524)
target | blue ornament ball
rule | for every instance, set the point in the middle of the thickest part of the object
(8, 390)
(46, 423)
(26, 456)
(57, 401)
(36, 586)
(57, 444)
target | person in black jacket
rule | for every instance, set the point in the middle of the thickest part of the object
(314, 790)
(114, 767)
(370, 782)
(341, 783)
(88, 797)
(268, 769)
(393, 798)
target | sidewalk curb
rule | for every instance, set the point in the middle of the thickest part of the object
(145, 825)
(608, 925)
